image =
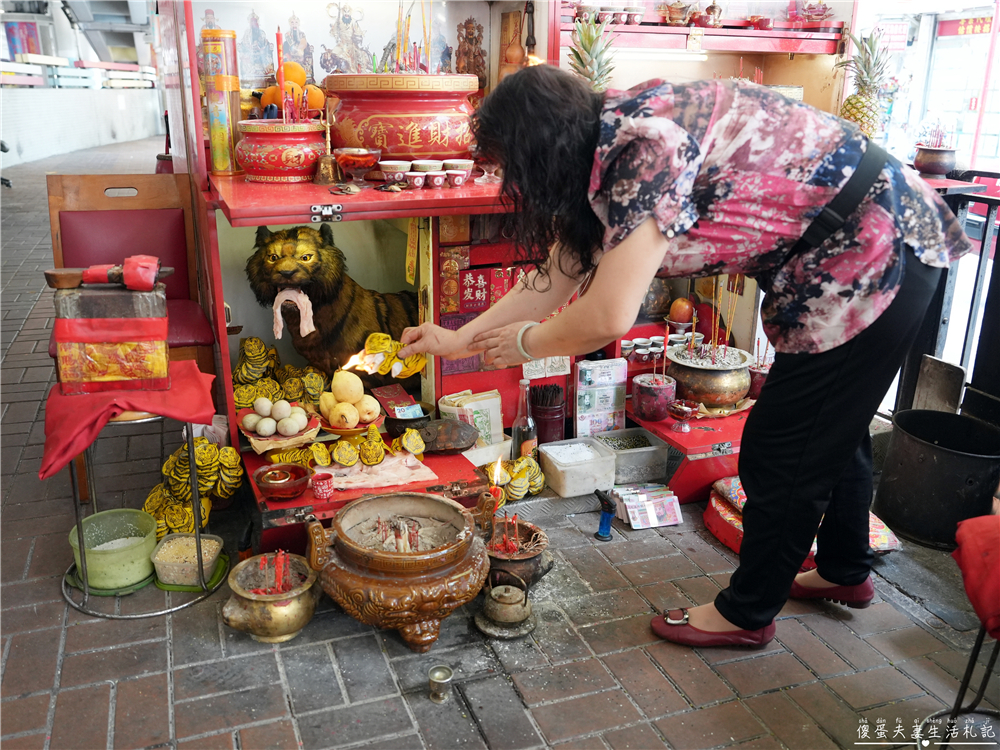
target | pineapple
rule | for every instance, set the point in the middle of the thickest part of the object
(869, 66)
(591, 54)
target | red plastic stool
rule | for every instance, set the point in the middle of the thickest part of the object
(978, 557)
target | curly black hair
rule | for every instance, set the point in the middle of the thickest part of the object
(542, 125)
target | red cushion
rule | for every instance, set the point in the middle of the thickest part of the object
(94, 237)
(186, 326)
(978, 557)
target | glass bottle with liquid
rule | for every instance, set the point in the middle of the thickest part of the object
(524, 431)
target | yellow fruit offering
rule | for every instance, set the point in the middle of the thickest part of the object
(368, 408)
(347, 386)
(315, 98)
(344, 416)
(326, 403)
(294, 73)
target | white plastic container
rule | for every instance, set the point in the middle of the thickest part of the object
(637, 465)
(184, 572)
(573, 478)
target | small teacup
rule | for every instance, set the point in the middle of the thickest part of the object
(605, 15)
(641, 355)
(586, 13)
(634, 18)
(394, 171)
(456, 177)
(322, 485)
(656, 353)
(656, 341)
(675, 339)
(436, 179)
(415, 179)
(465, 165)
(427, 165)
(627, 347)
(642, 343)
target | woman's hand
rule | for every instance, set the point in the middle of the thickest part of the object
(431, 339)
(499, 346)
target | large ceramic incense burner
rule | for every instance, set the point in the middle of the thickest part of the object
(409, 591)
(711, 384)
(407, 116)
(276, 151)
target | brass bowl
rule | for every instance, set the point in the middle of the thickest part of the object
(271, 618)
(711, 385)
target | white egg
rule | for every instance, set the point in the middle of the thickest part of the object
(280, 410)
(250, 421)
(266, 427)
(288, 426)
(299, 410)
(302, 418)
(262, 406)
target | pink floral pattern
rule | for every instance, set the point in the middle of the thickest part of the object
(734, 173)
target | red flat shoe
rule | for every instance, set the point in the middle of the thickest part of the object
(857, 597)
(673, 626)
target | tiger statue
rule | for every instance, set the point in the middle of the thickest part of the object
(344, 313)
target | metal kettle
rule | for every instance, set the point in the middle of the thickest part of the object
(508, 604)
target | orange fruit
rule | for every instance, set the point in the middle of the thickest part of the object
(294, 73)
(315, 98)
(270, 96)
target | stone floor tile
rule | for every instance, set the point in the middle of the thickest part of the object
(468, 662)
(562, 583)
(719, 654)
(14, 557)
(364, 670)
(906, 713)
(500, 715)
(953, 662)
(709, 727)
(795, 729)
(637, 548)
(765, 673)
(568, 537)
(767, 742)
(605, 606)
(811, 650)
(519, 654)
(828, 711)
(585, 715)
(24, 714)
(594, 568)
(277, 735)
(646, 685)
(114, 664)
(701, 553)
(30, 593)
(699, 684)
(639, 737)
(846, 644)
(878, 618)
(81, 718)
(196, 633)
(31, 662)
(582, 743)
(935, 680)
(873, 687)
(667, 568)
(700, 589)
(229, 710)
(101, 633)
(445, 726)
(311, 678)
(141, 714)
(343, 726)
(556, 637)
(218, 741)
(619, 634)
(905, 643)
(564, 681)
(28, 742)
(664, 596)
(225, 676)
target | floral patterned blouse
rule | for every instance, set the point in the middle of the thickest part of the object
(734, 173)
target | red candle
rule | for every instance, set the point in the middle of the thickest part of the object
(496, 492)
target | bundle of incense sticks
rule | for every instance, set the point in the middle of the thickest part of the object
(546, 395)
(276, 573)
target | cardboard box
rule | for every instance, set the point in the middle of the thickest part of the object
(109, 338)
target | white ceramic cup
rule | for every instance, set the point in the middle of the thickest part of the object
(394, 171)
(642, 343)
(642, 354)
(427, 165)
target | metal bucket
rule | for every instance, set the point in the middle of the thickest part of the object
(940, 468)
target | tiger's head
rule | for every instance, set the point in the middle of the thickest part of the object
(297, 257)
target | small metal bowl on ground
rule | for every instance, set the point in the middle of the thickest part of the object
(282, 481)
(396, 426)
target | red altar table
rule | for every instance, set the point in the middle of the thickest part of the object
(711, 451)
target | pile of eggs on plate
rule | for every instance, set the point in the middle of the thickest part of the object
(280, 416)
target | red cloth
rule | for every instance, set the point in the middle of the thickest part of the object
(978, 557)
(72, 423)
(139, 272)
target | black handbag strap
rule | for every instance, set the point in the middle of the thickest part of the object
(835, 213)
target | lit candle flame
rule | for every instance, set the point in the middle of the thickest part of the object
(534, 60)
(496, 473)
(354, 361)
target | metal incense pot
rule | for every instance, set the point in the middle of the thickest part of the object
(507, 611)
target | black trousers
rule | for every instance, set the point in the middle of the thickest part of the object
(805, 455)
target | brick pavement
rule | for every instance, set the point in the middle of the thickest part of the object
(591, 676)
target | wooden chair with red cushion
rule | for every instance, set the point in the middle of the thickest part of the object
(105, 218)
